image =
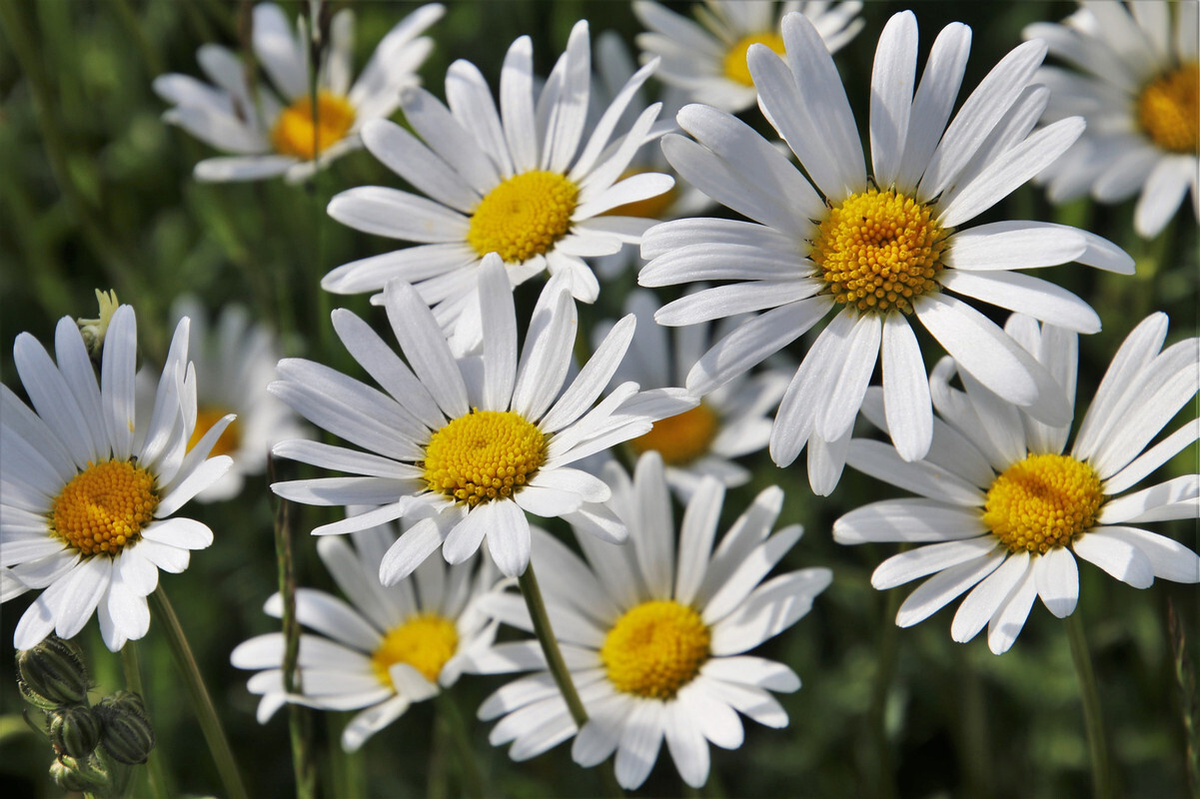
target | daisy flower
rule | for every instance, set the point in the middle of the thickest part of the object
(707, 58)
(235, 361)
(732, 421)
(91, 482)
(1005, 510)
(1136, 82)
(524, 182)
(881, 250)
(655, 641)
(480, 439)
(273, 134)
(384, 649)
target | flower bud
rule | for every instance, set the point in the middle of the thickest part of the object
(80, 777)
(74, 730)
(53, 673)
(128, 735)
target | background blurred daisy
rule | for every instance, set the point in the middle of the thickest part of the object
(1004, 510)
(91, 482)
(654, 641)
(877, 248)
(479, 439)
(707, 58)
(731, 421)
(1137, 86)
(272, 136)
(524, 182)
(384, 649)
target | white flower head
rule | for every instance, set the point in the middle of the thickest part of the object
(91, 482)
(1134, 79)
(481, 439)
(276, 131)
(655, 638)
(707, 57)
(731, 421)
(528, 181)
(880, 249)
(1004, 510)
(381, 651)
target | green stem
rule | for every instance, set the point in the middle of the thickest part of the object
(1102, 786)
(884, 774)
(470, 777)
(202, 704)
(133, 682)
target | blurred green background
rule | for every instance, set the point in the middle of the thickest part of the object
(96, 192)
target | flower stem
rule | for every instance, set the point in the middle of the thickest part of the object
(470, 778)
(202, 704)
(133, 682)
(880, 769)
(1102, 787)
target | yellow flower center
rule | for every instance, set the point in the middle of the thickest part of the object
(104, 507)
(524, 216)
(735, 58)
(300, 133)
(484, 455)
(879, 250)
(649, 208)
(230, 440)
(681, 438)
(655, 649)
(424, 642)
(1169, 109)
(1043, 502)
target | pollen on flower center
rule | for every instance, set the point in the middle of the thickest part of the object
(425, 642)
(681, 438)
(735, 57)
(298, 134)
(229, 442)
(655, 649)
(483, 456)
(1043, 502)
(649, 208)
(879, 250)
(105, 507)
(523, 216)
(1168, 109)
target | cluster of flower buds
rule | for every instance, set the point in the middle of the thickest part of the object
(94, 745)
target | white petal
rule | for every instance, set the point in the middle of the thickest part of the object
(988, 597)
(1116, 556)
(1057, 577)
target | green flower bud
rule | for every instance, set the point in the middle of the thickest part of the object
(75, 776)
(128, 735)
(53, 673)
(74, 730)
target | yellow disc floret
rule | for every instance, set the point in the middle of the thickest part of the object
(104, 507)
(1043, 502)
(230, 440)
(681, 438)
(524, 216)
(735, 57)
(425, 642)
(484, 455)
(299, 134)
(1168, 109)
(655, 649)
(879, 250)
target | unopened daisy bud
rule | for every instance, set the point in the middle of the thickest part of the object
(74, 730)
(79, 775)
(93, 330)
(53, 673)
(128, 735)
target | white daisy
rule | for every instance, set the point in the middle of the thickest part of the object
(523, 182)
(655, 641)
(707, 58)
(90, 483)
(234, 363)
(1005, 510)
(271, 136)
(385, 649)
(879, 248)
(1137, 86)
(731, 421)
(480, 439)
